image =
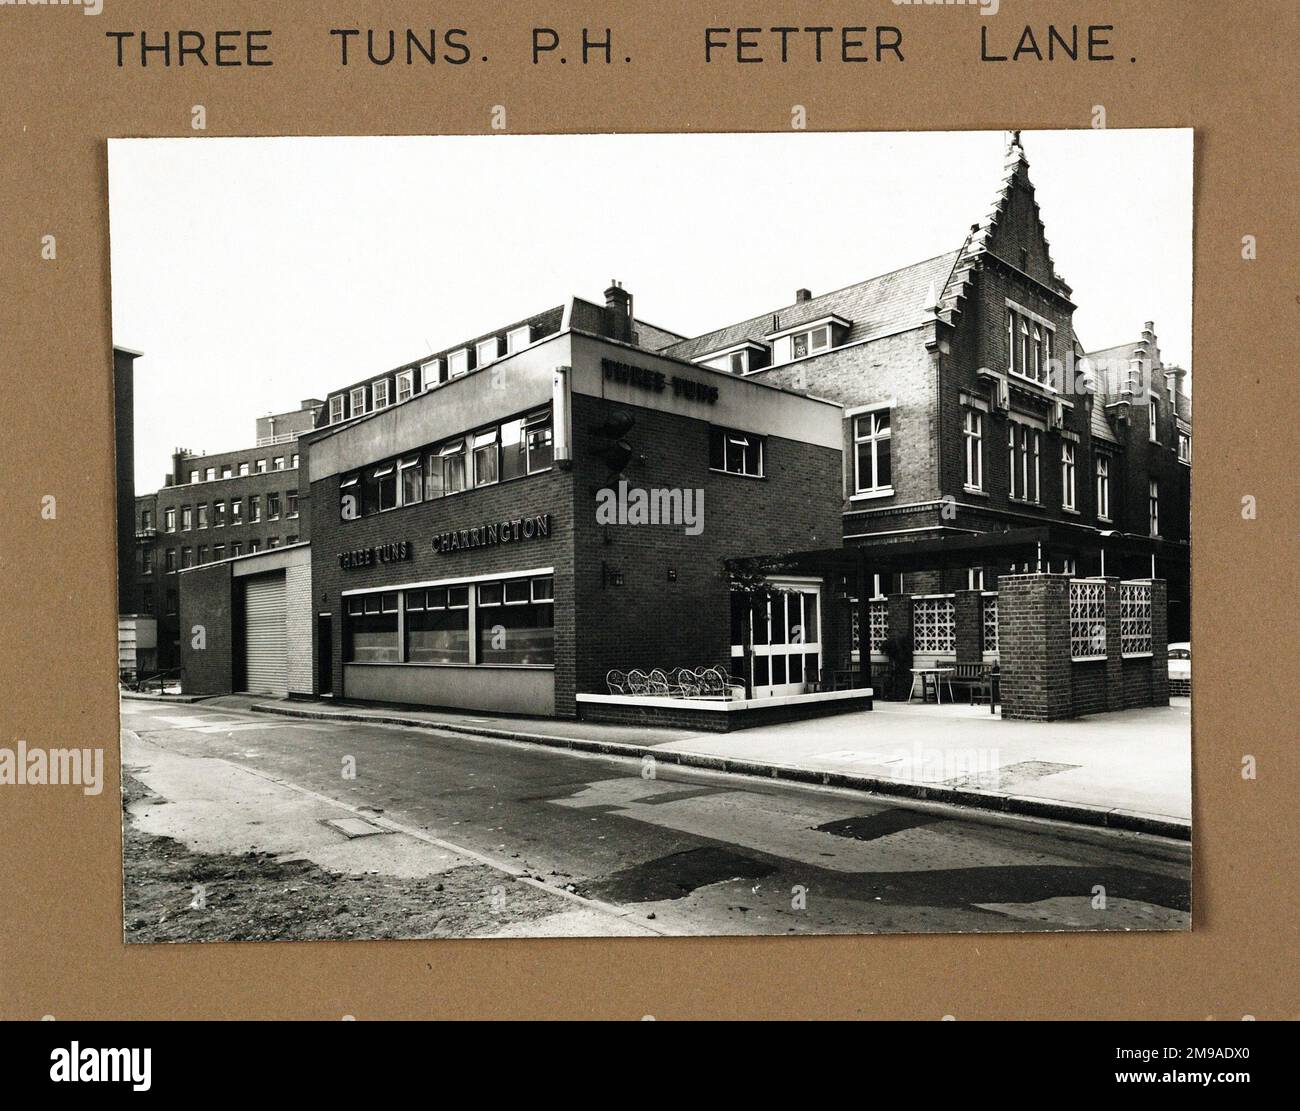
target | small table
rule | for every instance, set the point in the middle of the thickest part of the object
(928, 674)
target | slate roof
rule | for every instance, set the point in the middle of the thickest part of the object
(879, 306)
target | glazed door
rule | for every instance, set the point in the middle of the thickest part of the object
(785, 626)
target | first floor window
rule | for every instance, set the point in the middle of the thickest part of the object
(736, 452)
(437, 625)
(187, 557)
(169, 560)
(291, 503)
(1153, 502)
(872, 470)
(379, 489)
(1023, 445)
(1103, 487)
(218, 514)
(169, 520)
(187, 518)
(1067, 475)
(254, 507)
(485, 457)
(516, 622)
(371, 629)
(203, 515)
(412, 480)
(973, 435)
(236, 511)
(446, 470)
(272, 507)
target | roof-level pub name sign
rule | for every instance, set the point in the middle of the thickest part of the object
(657, 382)
(488, 535)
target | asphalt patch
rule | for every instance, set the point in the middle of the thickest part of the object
(675, 876)
(871, 827)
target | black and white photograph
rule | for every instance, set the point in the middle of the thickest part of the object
(653, 535)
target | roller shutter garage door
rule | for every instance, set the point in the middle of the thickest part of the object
(266, 642)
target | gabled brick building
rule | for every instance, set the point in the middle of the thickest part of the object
(969, 410)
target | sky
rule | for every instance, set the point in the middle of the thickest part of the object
(254, 273)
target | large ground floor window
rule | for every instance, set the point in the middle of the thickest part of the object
(491, 621)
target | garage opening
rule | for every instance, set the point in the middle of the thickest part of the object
(266, 641)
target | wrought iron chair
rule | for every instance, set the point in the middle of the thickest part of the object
(658, 683)
(616, 681)
(637, 682)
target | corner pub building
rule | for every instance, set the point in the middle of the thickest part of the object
(460, 554)
(907, 471)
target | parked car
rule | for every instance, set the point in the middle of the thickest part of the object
(1180, 660)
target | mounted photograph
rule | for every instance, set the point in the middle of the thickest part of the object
(653, 535)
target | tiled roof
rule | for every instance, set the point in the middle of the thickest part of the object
(888, 303)
(1101, 429)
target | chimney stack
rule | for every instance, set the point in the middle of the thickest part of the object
(802, 295)
(618, 312)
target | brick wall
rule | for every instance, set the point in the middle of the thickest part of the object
(549, 492)
(300, 622)
(650, 621)
(1040, 681)
(205, 598)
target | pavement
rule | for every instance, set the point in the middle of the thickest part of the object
(1126, 770)
(599, 844)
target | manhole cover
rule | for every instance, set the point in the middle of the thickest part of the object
(354, 827)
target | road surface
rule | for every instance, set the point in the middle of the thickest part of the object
(627, 849)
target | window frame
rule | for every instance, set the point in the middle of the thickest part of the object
(1101, 482)
(1069, 456)
(405, 378)
(730, 437)
(874, 437)
(973, 442)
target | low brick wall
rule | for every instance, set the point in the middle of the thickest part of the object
(704, 720)
(1040, 679)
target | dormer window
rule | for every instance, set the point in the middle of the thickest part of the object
(431, 373)
(485, 351)
(358, 400)
(810, 342)
(812, 337)
(405, 385)
(380, 388)
(517, 339)
(744, 358)
(458, 363)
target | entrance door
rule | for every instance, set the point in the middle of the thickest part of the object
(266, 663)
(784, 624)
(324, 655)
